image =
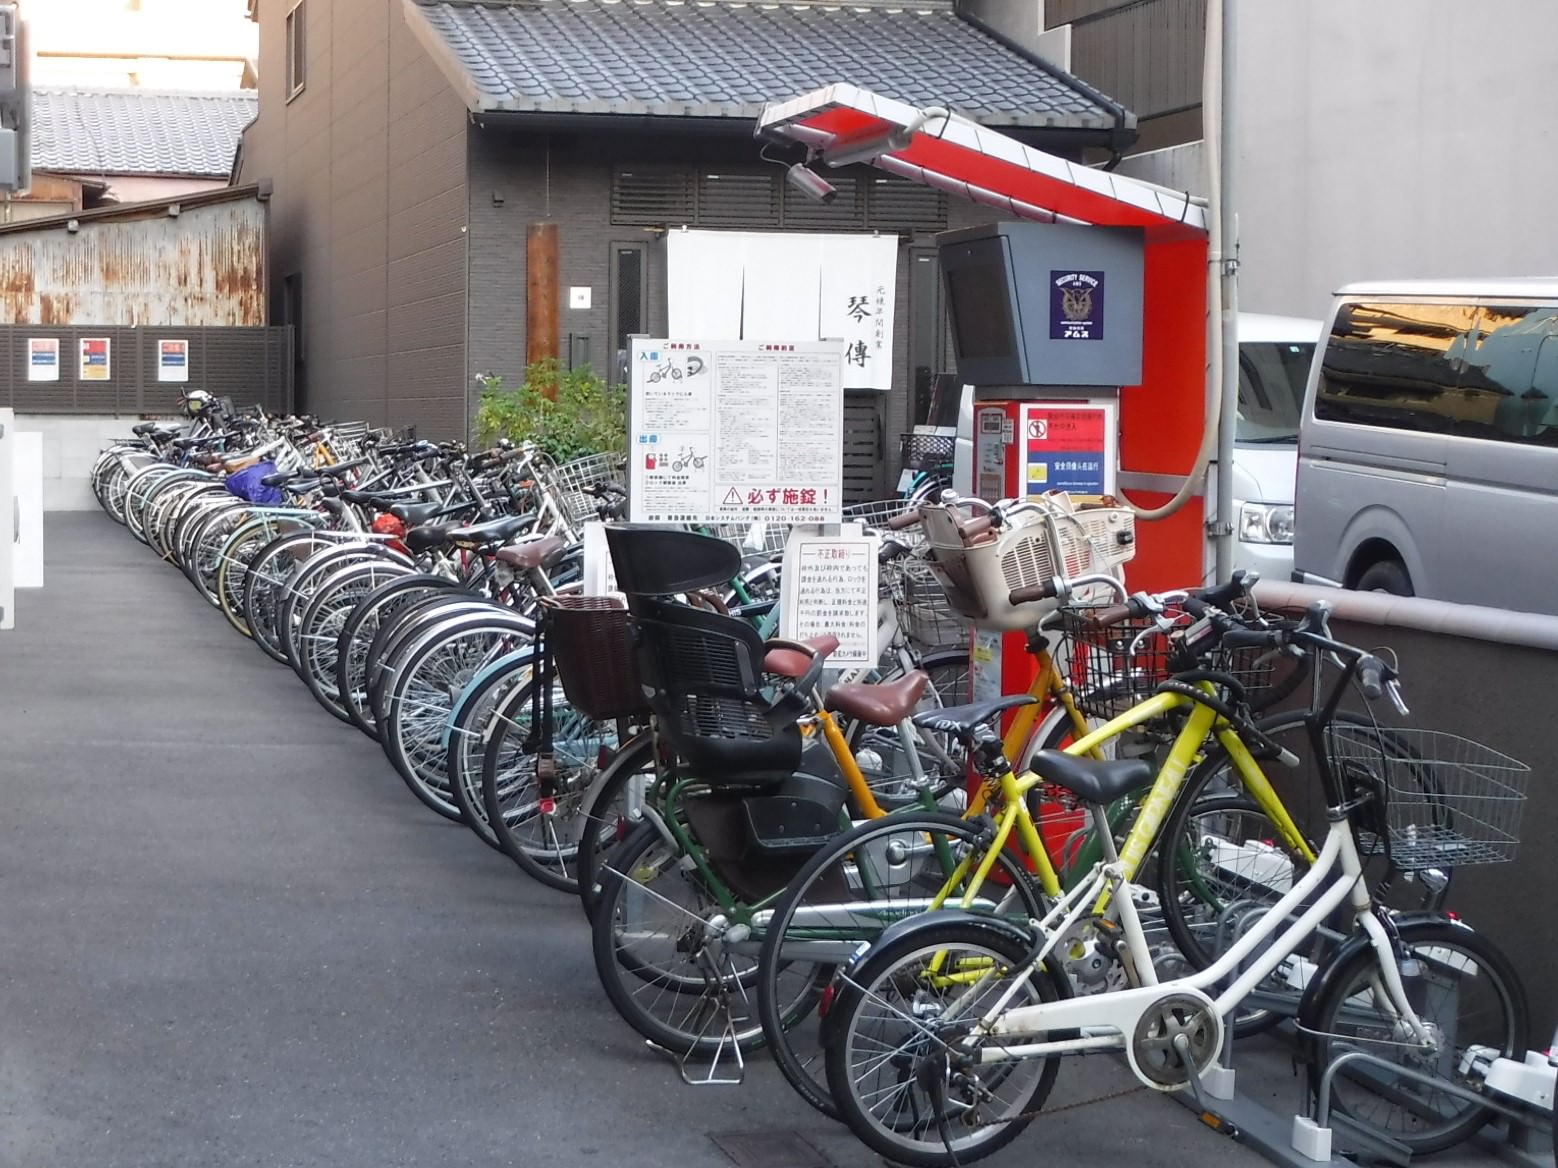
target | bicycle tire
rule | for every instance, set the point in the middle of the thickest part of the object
(1453, 965)
(612, 809)
(657, 977)
(272, 566)
(867, 851)
(428, 674)
(471, 725)
(319, 634)
(545, 845)
(357, 635)
(411, 624)
(897, 1120)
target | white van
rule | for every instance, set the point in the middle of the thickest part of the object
(1428, 452)
(1274, 358)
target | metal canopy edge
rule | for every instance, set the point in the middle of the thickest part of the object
(843, 123)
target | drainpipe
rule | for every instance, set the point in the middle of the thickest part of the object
(1228, 420)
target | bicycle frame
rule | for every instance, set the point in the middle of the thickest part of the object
(1336, 876)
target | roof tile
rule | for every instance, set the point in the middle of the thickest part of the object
(136, 131)
(653, 56)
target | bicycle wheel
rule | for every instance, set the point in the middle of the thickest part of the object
(319, 631)
(428, 675)
(545, 843)
(679, 983)
(892, 1026)
(472, 724)
(876, 873)
(267, 574)
(1458, 983)
(383, 604)
(613, 807)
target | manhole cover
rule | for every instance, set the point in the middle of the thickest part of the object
(769, 1149)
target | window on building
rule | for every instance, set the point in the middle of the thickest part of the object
(297, 56)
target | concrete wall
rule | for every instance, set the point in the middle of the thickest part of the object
(1486, 675)
(70, 446)
(1396, 139)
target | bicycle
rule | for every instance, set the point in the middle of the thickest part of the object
(943, 1037)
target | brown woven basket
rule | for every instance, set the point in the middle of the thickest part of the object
(591, 641)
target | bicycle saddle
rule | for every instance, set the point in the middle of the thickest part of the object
(1094, 780)
(965, 721)
(884, 704)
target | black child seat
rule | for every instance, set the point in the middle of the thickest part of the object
(703, 671)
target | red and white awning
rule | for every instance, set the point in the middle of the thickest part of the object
(842, 124)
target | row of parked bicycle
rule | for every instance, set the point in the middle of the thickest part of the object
(917, 893)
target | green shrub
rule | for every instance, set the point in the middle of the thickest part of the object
(566, 412)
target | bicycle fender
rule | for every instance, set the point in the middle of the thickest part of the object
(1406, 924)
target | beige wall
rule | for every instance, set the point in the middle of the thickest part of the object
(118, 44)
(1395, 139)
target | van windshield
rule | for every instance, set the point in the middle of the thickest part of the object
(1271, 390)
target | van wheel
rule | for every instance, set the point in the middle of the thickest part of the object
(1386, 576)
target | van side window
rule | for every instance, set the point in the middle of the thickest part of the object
(1489, 372)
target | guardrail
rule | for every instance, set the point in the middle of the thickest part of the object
(1490, 675)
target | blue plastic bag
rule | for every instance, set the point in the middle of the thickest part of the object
(246, 484)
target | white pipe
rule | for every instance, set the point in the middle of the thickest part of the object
(1223, 533)
(1211, 117)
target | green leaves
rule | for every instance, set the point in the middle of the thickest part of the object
(566, 412)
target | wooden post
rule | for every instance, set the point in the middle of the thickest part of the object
(543, 296)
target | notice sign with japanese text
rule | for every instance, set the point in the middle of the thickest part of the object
(1069, 447)
(172, 360)
(735, 432)
(828, 588)
(95, 359)
(43, 359)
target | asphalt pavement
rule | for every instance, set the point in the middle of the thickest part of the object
(232, 937)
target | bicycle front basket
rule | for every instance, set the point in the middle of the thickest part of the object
(1449, 801)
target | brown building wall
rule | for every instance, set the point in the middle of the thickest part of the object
(368, 215)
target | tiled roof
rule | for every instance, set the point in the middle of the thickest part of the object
(720, 59)
(134, 131)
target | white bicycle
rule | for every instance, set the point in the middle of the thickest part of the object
(944, 1036)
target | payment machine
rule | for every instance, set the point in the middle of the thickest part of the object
(1047, 325)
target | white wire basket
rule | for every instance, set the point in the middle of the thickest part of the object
(567, 482)
(1449, 802)
(1052, 537)
(762, 536)
(876, 514)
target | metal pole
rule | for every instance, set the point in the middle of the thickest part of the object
(1228, 418)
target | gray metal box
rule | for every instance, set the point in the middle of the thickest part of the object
(1045, 303)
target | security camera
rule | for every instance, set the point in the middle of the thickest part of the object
(810, 183)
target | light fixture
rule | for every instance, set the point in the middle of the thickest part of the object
(848, 151)
(73, 226)
(811, 184)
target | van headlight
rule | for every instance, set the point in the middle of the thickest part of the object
(1266, 523)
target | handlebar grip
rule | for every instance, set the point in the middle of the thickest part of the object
(1238, 585)
(1253, 638)
(899, 522)
(973, 528)
(1371, 677)
(1112, 615)
(1031, 592)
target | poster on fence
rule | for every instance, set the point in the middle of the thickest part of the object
(96, 364)
(736, 432)
(43, 359)
(172, 360)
